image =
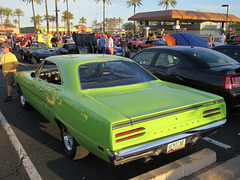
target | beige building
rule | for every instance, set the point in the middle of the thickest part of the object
(8, 28)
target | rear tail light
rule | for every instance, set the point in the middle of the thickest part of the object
(126, 135)
(211, 112)
(231, 81)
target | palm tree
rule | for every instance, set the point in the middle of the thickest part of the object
(37, 19)
(52, 19)
(66, 16)
(15, 21)
(134, 3)
(82, 21)
(56, 9)
(32, 2)
(104, 2)
(7, 12)
(18, 12)
(7, 21)
(1, 14)
(120, 20)
(47, 18)
(166, 3)
(68, 24)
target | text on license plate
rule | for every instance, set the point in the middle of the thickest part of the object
(174, 146)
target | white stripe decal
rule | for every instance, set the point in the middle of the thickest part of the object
(27, 163)
(225, 146)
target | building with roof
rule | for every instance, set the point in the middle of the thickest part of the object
(172, 21)
(8, 28)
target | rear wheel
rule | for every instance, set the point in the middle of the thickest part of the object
(71, 147)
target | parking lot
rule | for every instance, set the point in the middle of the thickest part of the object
(36, 149)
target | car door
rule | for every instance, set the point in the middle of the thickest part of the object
(166, 67)
(47, 88)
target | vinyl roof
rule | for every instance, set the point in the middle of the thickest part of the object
(182, 15)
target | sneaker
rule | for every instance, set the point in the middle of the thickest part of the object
(9, 98)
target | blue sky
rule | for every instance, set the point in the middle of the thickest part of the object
(91, 11)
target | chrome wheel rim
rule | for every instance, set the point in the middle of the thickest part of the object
(68, 139)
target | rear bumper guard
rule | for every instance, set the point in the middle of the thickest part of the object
(159, 146)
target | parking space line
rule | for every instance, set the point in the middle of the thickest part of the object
(27, 163)
(225, 146)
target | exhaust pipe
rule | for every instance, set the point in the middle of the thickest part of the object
(147, 159)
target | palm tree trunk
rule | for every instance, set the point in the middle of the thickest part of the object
(134, 20)
(104, 16)
(67, 18)
(34, 18)
(56, 15)
(47, 16)
(19, 22)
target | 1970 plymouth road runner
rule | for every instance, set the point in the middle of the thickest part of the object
(112, 107)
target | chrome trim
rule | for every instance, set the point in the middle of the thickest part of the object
(164, 114)
(141, 151)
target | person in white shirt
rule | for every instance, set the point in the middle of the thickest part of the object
(110, 45)
(223, 38)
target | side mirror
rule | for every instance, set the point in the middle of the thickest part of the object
(33, 75)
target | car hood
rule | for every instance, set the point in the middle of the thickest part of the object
(190, 39)
(157, 97)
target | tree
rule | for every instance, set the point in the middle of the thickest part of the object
(166, 3)
(82, 21)
(128, 26)
(7, 12)
(1, 14)
(120, 20)
(15, 21)
(66, 16)
(104, 2)
(134, 3)
(56, 9)
(68, 23)
(7, 21)
(52, 19)
(37, 19)
(32, 2)
(47, 18)
(18, 12)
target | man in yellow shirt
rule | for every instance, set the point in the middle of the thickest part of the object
(9, 65)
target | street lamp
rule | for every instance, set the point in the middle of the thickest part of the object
(226, 5)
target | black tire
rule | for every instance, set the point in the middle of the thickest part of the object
(25, 104)
(70, 146)
(139, 48)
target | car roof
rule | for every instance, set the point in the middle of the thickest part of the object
(234, 46)
(83, 58)
(176, 48)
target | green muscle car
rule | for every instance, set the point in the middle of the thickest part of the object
(112, 107)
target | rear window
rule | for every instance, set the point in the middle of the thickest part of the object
(210, 57)
(112, 73)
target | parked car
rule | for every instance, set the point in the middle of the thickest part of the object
(45, 38)
(197, 67)
(131, 43)
(68, 48)
(231, 50)
(112, 107)
(149, 43)
(38, 52)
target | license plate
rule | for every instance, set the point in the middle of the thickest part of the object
(174, 146)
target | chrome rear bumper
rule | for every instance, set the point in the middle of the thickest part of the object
(159, 146)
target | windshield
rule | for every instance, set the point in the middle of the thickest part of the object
(112, 73)
(210, 57)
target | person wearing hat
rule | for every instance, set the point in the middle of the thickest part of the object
(9, 64)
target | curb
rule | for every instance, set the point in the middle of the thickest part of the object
(182, 167)
(229, 170)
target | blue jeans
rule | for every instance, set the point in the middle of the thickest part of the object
(125, 51)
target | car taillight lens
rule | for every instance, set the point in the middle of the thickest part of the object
(231, 81)
(129, 134)
(211, 112)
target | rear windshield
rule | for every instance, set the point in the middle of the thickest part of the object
(112, 73)
(210, 57)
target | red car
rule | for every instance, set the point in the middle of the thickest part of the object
(148, 43)
(131, 43)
